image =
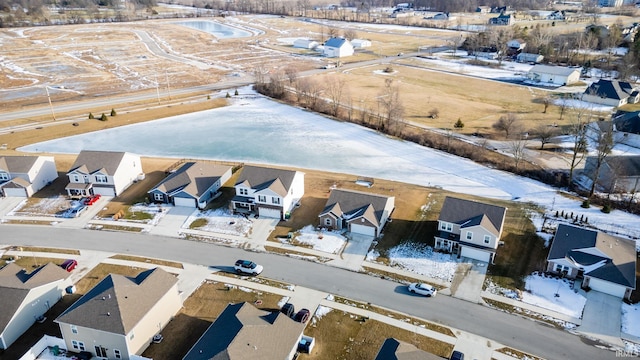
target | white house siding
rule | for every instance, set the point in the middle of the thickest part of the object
(603, 101)
(607, 287)
(43, 172)
(363, 228)
(155, 320)
(270, 213)
(296, 191)
(37, 302)
(184, 201)
(16, 192)
(128, 171)
(388, 209)
(91, 338)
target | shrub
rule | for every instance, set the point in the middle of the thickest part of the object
(236, 93)
(103, 117)
(606, 208)
(91, 116)
(228, 95)
(585, 204)
(113, 112)
(459, 124)
(208, 97)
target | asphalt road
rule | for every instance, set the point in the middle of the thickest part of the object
(514, 331)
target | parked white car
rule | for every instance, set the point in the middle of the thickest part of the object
(247, 267)
(423, 289)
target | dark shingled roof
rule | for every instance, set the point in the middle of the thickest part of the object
(352, 204)
(393, 349)
(470, 213)
(610, 89)
(15, 284)
(89, 162)
(17, 164)
(243, 331)
(117, 303)
(260, 178)
(579, 244)
(624, 166)
(628, 122)
(194, 178)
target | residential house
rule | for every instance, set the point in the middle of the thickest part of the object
(529, 58)
(359, 212)
(360, 43)
(598, 30)
(23, 176)
(618, 174)
(243, 331)
(554, 75)
(469, 228)
(393, 349)
(610, 3)
(305, 43)
(557, 15)
(26, 297)
(612, 93)
(627, 122)
(268, 192)
(483, 9)
(119, 316)
(194, 184)
(337, 47)
(605, 263)
(107, 173)
(516, 44)
(502, 19)
(441, 16)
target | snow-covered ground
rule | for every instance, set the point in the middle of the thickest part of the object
(221, 221)
(420, 259)
(331, 242)
(553, 294)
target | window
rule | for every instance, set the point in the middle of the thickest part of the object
(76, 178)
(560, 268)
(443, 226)
(487, 239)
(78, 345)
(101, 178)
(275, 200)
(262, 198)
(327, 221)
(449, 227)
(117, 354)
(74, 329)
(158, 197)
(469, 235)
(4, 176)
(243, 191)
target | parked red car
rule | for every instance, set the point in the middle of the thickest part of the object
(69, 265)
(91, 199)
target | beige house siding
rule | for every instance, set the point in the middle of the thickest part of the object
(363, 221)
(92, 338)
(333, 224)
(478, 234)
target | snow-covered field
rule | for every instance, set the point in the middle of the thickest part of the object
(553, 294)
(331, 242)
(221, 221)
(420, 259)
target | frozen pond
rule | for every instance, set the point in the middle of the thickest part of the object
(218, 30)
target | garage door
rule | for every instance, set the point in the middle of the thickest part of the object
(475, 254)
(269, 213)
(363, 229)
(189, 202)
(606, 287)
(104, 191)
(15, 192)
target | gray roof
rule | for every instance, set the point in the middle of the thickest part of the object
(352, 204)
(193, 178)
(393, 349)
(15, 284)
(628, 122)
(335, 42)
(555, 70)
(260, 178)
(243, 331)
(624, 166)
(89, 162)
(471, 213)
(117, 303)
(610, 89)
(17, 164)
(576, 244)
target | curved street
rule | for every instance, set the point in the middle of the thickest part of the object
(513, 331)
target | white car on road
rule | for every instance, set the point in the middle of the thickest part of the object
(247, 267)
(423, 289)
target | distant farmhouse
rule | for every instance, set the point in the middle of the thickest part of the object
(529, 58)
(502, 19)
(337, 47)
(554, 75)
(305, 44)
(360, 43)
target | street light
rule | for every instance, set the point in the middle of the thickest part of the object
(46, 88)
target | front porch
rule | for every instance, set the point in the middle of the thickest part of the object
(79, 190)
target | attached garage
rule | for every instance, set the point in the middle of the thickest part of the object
(270, 213)
(363, 229)
(475, 254)
(188, 202)
(15, 192)
(607, 287)
(104, 191)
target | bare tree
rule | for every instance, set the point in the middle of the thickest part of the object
(334, 87)
(601, 133)
(350, 34)
(582, 116)
(544, 133)
(393, 109)
(517, 148)
(291, 72)
(333, 32)
(507, 123)
(546, 101)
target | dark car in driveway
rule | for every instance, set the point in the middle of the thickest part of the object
(456, 355)
(69, 265)
(302, 316)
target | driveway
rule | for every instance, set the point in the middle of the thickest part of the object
(601, 318)
(468, 280)
(354, 252)
(171, 223)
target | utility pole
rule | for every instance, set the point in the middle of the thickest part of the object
(46, 88)
(168, 88)
(157, 89)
